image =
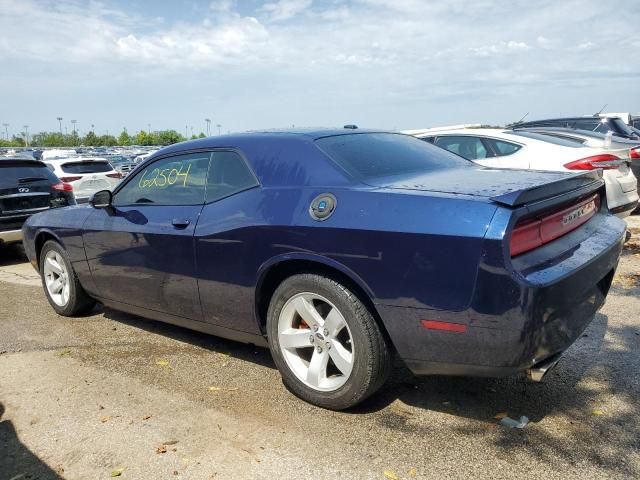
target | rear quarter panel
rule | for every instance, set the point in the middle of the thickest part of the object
(404, 249)
(65, 225)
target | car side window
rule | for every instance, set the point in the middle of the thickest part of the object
(175, 180)
(502, 148)
(229, 174)
(466, 146)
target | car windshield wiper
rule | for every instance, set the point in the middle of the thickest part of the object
(31, 179)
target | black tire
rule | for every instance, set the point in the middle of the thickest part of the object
(79, 301)
(372, 358)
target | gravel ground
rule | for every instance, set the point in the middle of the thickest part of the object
(114, 394)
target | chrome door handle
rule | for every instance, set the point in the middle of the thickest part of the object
(180, 222)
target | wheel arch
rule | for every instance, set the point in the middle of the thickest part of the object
(274, 272)
(40, 239)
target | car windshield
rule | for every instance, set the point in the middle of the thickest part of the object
(550, 138)
(620, 127)
(86, 167)
(13, 173)
(367, 156)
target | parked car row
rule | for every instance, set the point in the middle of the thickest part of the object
(550, 149)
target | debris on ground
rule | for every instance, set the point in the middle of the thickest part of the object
(511, 423)
(63, 353)
(597, 411)
(220, 389)
(162, 363)
(500, 415)
(161, 449)
(117, 472)
(390, 475)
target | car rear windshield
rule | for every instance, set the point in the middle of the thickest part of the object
(14, 173)
(86, 167)
(550, 138)
(366, 156)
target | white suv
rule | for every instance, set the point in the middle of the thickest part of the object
(87, 175)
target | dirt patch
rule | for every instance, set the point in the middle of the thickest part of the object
(627, 281)
(632, 246)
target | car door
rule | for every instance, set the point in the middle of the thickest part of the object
(141, 250)
(227, 248)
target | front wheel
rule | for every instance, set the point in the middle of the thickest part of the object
(325, 342)
(60, 282)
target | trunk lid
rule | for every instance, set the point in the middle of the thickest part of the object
(512, 188)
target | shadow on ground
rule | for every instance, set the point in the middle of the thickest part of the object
(245, 352)
(12, 255)
(16, 460)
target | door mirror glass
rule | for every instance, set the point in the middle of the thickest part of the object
(101, 199)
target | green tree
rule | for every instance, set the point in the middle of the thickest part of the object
(124, 138)
(168, 137)
(91, 139)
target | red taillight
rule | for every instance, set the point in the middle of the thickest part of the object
(533, 233)
(62, 187)
(115, 175)
(606, 161)
(634, 153)
(69, 179)
(444, 326)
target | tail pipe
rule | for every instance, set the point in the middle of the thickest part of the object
(539, 370)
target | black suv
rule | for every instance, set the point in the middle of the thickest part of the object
(27, 187)
(594, 124)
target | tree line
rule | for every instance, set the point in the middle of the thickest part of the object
(57, 139)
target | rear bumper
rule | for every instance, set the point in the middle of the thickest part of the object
(10, 236)
(517, 322)
(624, 210)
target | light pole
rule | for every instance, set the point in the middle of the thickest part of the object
(6, 130)
(208, 120)
(186, 132)
(26, 135)
(219, 127)
(148, 128)
(74, 126)
(192, 130)
(60, 123)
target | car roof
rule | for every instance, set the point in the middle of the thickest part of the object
(22, 160)
(288, 135)
(457, 131)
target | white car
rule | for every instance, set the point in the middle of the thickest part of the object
(521, 149)
(86, 175)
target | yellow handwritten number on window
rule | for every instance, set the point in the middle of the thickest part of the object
(167, 176)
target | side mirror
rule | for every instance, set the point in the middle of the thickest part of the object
(101, 199)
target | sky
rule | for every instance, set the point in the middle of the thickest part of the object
(254, 64)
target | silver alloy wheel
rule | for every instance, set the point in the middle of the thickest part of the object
(56, 278)
(316, 342)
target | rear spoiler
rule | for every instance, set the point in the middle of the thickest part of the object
(582, 180)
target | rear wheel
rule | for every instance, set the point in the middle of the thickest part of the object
(325, 342)
(60, 282)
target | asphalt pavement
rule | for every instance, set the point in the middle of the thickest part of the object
(115, 395)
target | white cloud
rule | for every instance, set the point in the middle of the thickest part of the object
(222, 5)
(411, 57)
(285, 9)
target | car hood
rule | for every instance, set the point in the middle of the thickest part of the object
(511, 187)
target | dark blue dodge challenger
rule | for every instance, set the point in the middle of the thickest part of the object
(339, 248)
